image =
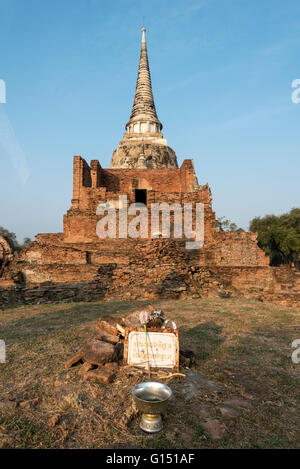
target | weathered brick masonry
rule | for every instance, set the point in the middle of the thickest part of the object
(133, 269)
(93, 185)
(78, 266)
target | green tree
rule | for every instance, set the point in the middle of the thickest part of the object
(226, 225)
(26, 242)
(279, 236)
(10, 236)
(12, 239)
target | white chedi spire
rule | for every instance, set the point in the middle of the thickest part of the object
(143, 117)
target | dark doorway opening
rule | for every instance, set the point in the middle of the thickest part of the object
(88, 257)
(141, 196)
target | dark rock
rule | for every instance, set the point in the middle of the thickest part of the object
(196, 384)
(107, 327)
(111, 339)
(102, 375)
(97, 352)
(74, 360)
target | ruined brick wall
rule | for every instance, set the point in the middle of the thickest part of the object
(235, 249)
(136, 269)
(81, 226)
(124, 181)
(93, 184)
(77, 265)
(71, 262)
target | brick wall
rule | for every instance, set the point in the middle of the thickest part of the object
(93, 184)
(124, 180)
(76, 262)
(136, 269)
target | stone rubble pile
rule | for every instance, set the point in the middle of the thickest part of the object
(102, 355)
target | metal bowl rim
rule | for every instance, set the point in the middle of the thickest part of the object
(164, 386)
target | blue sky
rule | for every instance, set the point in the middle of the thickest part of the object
(221, 75)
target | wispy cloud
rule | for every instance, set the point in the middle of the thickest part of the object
(189, 8)
(254, 115)
(10, 147)
(195, 77)
(286, 43)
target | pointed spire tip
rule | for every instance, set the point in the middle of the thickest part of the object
(143, 34)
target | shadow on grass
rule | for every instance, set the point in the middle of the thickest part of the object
(204, 339)
(66, 317)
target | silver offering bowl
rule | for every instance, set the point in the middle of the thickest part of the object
(151, 399)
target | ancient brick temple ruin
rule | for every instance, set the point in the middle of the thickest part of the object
(78, 265)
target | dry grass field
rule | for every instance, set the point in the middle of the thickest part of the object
(242, 346)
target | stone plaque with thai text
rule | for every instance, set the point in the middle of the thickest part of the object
(159, 349)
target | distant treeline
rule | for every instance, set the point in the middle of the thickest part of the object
(278, 236)
(12, 239)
